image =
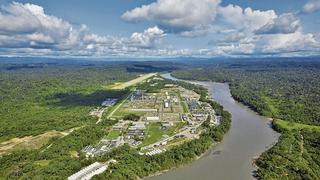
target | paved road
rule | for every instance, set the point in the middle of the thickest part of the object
(119, 105)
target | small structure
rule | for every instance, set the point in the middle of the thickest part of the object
(138, 126)
(89, 171)
(90, 150)
(198, 114)
(155, 151)
(166, 103)
(133, 143)
(193, 104)
(119, 126)
(166, 125)
(103, 147)
(193, 131)
(136, 130)
(152, 118)
(184, 117)
(179, 136)
(175, 100)
(109, 102)
(138, 95)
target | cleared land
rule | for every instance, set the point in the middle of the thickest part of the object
(155, 133)
(295, 126)
(132, 82)
(31, 142)
(28, 142)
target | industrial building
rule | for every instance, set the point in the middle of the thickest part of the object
(155, 151)
(89, 171)
(103, 147)
(152, 118)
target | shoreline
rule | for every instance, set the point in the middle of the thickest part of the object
(253, 158)
(173, 168)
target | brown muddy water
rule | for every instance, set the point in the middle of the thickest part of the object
(231, 159)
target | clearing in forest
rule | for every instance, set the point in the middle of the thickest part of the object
(31, 142)
(124, 85)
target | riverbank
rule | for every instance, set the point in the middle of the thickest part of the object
(249, 136)
(183, 165)
(295, 155)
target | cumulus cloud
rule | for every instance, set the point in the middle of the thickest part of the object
(27, 28)
(194, 18)
(246, 19)
(284, 24)
(236, 49)
(27, 25)
(28, 19)
(312, 6)
(176, 15)
(149, 38)
(293, 42)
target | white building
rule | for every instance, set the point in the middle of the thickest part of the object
(166, 104)
(152, 118)
(89, 171)
(138, 126)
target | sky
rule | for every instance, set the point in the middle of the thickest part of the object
(160, 28)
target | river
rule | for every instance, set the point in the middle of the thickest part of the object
(231, 159)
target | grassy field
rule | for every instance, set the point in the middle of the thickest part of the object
(113, 134)
(295, 126)
(42, 163)
(183, 104)
(155, 133)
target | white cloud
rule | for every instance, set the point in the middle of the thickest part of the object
(149, 38)
(245, 19)
(284, 24)
(27, 29)
(195, 18)
(237, 30)
(283, 43)
(29, 25)
(235, 49)
(312, 6)
(176, 15)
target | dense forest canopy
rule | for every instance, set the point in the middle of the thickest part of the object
(39, 97)
(287, 90)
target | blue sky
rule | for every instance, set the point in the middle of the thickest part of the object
(162, 28)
